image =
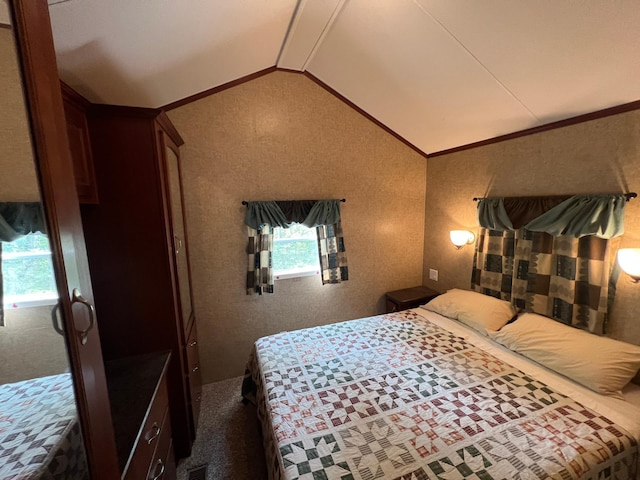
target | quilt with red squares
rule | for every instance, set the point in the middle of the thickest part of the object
(40, 436)
(397, 397)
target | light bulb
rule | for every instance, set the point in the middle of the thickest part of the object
(629, 260)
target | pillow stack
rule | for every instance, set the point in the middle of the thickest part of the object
(601, 364)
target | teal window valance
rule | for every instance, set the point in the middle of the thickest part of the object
(20, 218)
(323, 215)
(310, 213)
(578, 216)
(492, 215)
(550, 255)
(260, 214)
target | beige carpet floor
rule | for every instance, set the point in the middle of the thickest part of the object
(228, 439)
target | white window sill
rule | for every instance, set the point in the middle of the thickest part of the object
(295, 273)
(24, 301)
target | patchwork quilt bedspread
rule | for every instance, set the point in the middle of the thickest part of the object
(398, 397)
(39, 433)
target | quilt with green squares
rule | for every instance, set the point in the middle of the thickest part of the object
(397, 397)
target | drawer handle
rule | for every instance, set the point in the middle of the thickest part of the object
(193, 344)
(152, 433)
(160, 464)
(195, 369)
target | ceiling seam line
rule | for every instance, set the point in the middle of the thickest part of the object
(484, 67)
(324, 33)
(293, 23)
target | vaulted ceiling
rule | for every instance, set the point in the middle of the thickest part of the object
(439, 73)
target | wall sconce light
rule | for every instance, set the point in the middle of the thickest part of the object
(460, 238)
(629, 261)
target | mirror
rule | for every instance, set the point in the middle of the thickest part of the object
(39, 413)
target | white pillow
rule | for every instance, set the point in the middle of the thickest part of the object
(481, 312)
(599, 363)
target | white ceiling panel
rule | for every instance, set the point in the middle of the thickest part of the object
(310, 23)
(399, 65)
(153, 52)
(560, 58)
(439, 73)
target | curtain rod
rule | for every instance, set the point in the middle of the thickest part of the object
(628, 196)
(244, 202)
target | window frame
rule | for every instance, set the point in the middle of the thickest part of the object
(307, 271)
(29, 299)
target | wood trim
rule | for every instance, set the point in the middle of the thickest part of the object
(219, 88)
(105, 110)
(73, 96)
(253, 76)
(587, 117)
(98, 109)
(626, 107)
(170, 129)
(364, 113)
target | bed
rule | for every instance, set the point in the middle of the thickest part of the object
(40, 436)
(417, 395)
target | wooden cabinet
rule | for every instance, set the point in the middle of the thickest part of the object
(75, 107)
(32, 29)
(138, 250)
(124, 431)
(140, 402)
(408, 298)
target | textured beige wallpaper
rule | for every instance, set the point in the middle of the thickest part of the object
(600, 156)
(18, 181)
(282, 137)
(30, 347)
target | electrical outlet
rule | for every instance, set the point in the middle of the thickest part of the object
(433, 274)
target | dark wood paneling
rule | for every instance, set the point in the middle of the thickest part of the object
(130, 246)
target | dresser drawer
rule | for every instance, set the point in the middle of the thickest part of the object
(163, 463)
(156, 428)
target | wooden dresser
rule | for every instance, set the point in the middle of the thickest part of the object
(138, 252)
(139, 400)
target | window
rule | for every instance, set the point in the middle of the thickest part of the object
(295, 252)
(27, 272)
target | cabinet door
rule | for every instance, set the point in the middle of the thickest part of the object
(179, 233)
(80, 145)
(60, 202)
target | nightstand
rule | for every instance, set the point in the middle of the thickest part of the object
(409, 298)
